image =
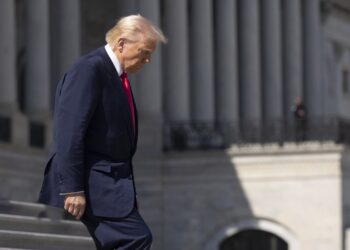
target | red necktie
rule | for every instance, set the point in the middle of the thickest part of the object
(127, 89)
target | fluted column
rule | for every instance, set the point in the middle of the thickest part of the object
(148, 88)
(201, 59)
(176, 94)
(8, 81)
(38, 63)
(65, 41)
(15, 131)
(176, 64)
(312, 58)
(125, 8)
(250, 72)
(292, 56)
(271, 69)
(66, 38)
(226, 72)
(37, 91)
(69, 28)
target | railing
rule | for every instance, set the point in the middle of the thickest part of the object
(188, 136)
(203, 135)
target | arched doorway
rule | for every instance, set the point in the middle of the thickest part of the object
(252, 239)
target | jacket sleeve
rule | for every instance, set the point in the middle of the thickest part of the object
(78, 98)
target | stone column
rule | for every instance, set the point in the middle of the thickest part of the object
(148, 89)
(66, 36)
(226, 72)
(8, 81)
(13, 125)
(202, 73)
(125, 8)
(176, 94)
(37, 103)
(312, 66)
(312, 58)
(271, 69)
(292, 59)
(250, 72)
(69, 29)
(176, 64)
(202, 61)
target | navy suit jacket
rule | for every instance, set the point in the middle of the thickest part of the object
(94, 139)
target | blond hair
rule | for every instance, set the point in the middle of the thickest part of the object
(132, 28)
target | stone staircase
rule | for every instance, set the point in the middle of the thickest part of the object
(25, 225)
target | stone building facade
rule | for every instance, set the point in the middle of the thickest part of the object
(217, 165)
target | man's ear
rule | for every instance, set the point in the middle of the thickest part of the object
(120, 44)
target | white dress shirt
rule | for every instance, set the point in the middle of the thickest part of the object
(114, 59)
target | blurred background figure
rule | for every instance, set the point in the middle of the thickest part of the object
(299, 113)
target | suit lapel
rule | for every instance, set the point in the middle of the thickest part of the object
(116, 81)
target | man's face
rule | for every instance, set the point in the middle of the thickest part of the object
(135, 55)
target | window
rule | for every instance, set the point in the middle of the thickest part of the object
(253, 240)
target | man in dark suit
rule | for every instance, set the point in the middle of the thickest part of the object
(89, 172)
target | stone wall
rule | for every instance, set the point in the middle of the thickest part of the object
(196, 200)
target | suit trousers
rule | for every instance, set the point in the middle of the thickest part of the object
(128, 233)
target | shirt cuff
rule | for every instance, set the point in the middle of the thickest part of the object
(78, 192)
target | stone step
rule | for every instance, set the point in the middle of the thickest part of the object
(29, 163)
(8, 248)
(30, 240)
(42, 225)
(21, 175)
(32, 209)
(22, 208)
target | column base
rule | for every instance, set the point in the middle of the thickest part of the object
(40, 133)
(19, 130)
(150, 139)
(14, 128)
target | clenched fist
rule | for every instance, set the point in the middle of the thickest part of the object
(75, 204)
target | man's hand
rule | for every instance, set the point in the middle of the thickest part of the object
(75, 204)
